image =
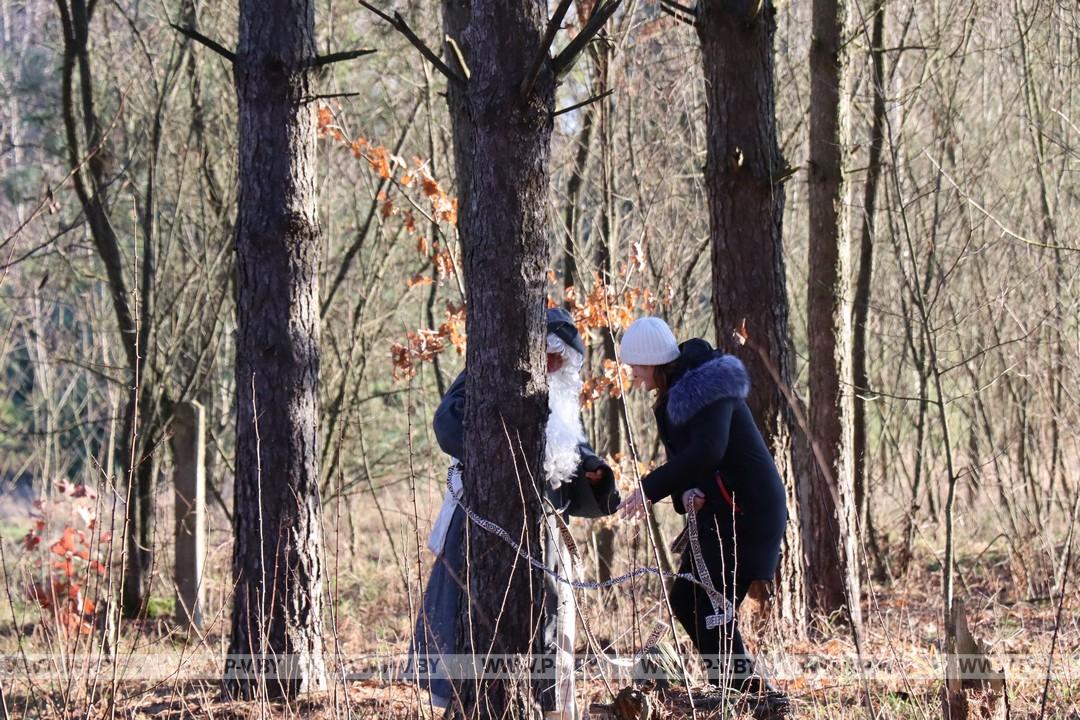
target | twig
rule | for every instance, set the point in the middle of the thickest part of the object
(326, 96)
(48, 201)
(651, 532)
(671, 4)
(378, 12)
(459, 56)
(565, 60)
(991, 217)
(203, 40)
(404, 29)
(399, 24)
(323, 60)
(678, 15)
(742, 337)
(1061, 604)
(358, 243)
(542, 52)
(583, 103)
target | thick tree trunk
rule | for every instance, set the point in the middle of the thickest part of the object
(743, 176)
(828, 502)
(277, 611)
(501, 148)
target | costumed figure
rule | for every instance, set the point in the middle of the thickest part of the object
(577, 482)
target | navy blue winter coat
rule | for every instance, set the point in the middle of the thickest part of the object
(579, 497)
(708, 431)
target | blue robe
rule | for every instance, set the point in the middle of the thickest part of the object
(436, 629)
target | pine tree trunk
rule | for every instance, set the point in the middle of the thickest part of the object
(743, 176)
(501, 149)
(828, 502)
(277, 560)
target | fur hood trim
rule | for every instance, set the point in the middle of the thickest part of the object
(718, 379)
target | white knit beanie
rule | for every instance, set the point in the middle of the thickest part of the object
(648, 341)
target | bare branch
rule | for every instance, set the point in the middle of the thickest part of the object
(350, 254)
(459, 56)
(583, 103)
(565, 60)
(378, 12)
(989, 216)
(323, 60)
(672, 5)
(48, 200)
(327, 96)
(678, 16)
(203, 40)
(542, 52)
(399, 24)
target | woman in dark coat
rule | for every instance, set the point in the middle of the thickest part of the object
(718, 467)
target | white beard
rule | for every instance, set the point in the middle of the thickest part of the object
(564, 429)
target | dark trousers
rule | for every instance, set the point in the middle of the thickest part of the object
(721, 648)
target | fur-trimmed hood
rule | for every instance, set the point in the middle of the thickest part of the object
(721, 377)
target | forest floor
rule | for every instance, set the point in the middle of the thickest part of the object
(164, 674)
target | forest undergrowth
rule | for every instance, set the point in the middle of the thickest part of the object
(376, 573)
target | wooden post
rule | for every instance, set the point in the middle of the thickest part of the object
(189, 479)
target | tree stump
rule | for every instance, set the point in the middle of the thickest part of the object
(974, 689)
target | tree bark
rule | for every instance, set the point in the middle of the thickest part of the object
(828, 502)
(864, 275)
(573, 195)
(743, 175)
(277, 562)
(501, 149)
(612, 407)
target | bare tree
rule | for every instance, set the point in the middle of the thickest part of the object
(501, 99)
(743, 178)
(501, 144)
(277, 561)
(864, 275)
(90, 155)
(827, 500)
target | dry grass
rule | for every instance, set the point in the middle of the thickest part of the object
(376, 572)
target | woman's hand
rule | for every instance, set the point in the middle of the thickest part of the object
(634, 507)
(693, 499)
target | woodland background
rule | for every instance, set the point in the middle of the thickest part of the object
(972, 345)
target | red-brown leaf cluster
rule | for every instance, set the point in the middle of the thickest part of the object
(388, 166)
(72, 559)
(423, 345)
(612, 382)
(608, 308)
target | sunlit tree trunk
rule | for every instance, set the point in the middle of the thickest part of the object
(277, 561)
(828, 499)
(501, 148)
(743, 176)
(863, 277)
